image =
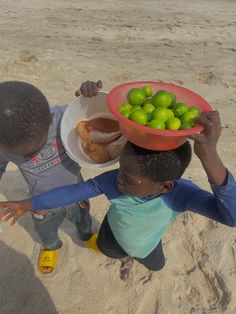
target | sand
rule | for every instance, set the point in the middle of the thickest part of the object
(58, 44)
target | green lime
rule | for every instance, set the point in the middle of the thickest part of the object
(140, 116)
(125, 113)
(157, 124)
(162, 99)
(135, 108)
(148, 91)
(185, 126)
(149, 116)
(136, 96)
(171, 113)
(161, 113)
(173, 99)
(195, 110)
(173, 124)
(125, 106)
(188, 117)
(148, 101)
(179, 109)
(148, 107)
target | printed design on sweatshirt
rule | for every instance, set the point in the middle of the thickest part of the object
(49, 157)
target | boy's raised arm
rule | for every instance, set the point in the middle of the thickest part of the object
(205, 147)
(220, 205)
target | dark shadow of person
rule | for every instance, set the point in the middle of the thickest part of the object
(20, 291)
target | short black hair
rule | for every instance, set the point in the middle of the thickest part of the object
(161, 166)
(24, 114)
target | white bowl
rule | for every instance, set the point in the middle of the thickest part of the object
(83, 108)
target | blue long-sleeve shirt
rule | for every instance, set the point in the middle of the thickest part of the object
(138, 224)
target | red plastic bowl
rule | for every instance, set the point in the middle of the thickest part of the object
(147, 137)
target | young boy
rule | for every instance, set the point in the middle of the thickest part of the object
(147, 194)
(30, 138)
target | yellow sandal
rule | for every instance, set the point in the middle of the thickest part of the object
(92, 244)
(47, 261)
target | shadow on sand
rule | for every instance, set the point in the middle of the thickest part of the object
(20, 291)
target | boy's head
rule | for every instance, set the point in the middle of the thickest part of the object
(145, 172)
(24, 119)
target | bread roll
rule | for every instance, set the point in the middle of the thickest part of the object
(82, 130)
(97, 152)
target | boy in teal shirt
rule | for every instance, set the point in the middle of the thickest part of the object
(147, 194)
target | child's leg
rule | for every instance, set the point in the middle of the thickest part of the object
(106, 242)
(47, 227)
(155, 260)
(78, 213)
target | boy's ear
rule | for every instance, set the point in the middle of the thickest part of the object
(166, 186)
(52, 117)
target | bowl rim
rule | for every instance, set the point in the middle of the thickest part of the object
(197, 129)
(86, 164)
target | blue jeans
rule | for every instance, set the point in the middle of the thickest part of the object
(47, 225)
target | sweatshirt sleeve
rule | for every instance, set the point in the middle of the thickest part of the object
(104, 183)
(66, 195)
(219, 205)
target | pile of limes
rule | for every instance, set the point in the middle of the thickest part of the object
(159, 111)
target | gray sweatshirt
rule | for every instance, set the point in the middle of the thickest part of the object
(51, 167)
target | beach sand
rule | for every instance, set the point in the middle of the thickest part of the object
(56, 45)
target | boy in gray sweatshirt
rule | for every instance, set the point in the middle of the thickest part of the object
(30, 138)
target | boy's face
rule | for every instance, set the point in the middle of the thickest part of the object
(29, 150)
(130, 182)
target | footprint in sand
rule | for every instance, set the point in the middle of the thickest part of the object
(27, 56)
(145, 279)
(150, 303)
(128, 38)
(209, 78)
(221, 295)
(225, 295)
(125, 268)
(95, 39)
(108, 264)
